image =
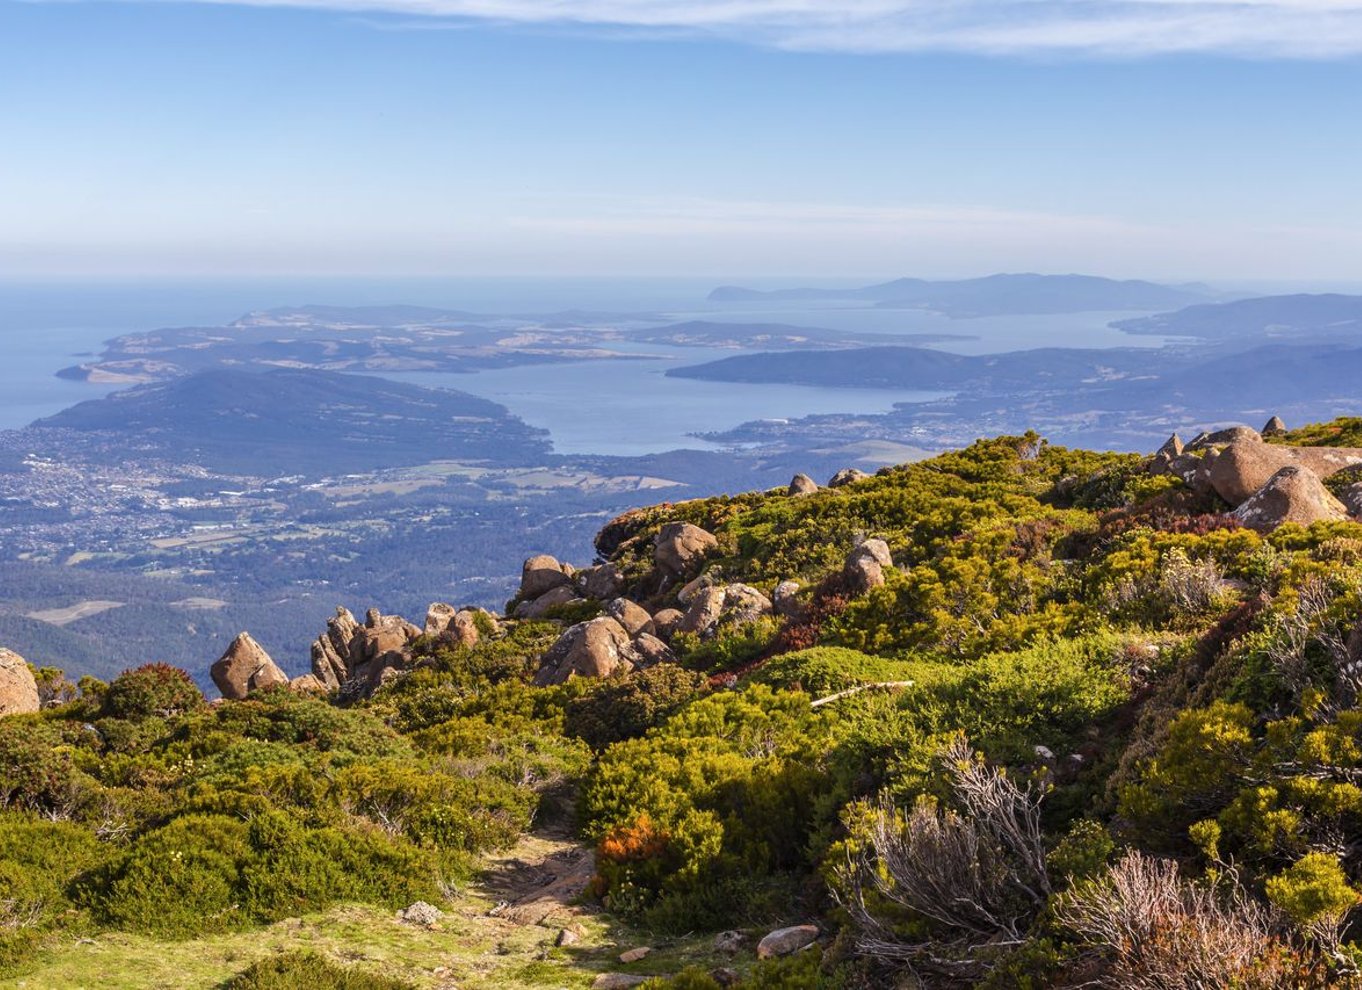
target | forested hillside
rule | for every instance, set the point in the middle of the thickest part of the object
(1015, 716)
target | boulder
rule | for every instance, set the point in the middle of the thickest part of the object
(652, 651)
(1161, 462)
(618, 981)
(702, 615)
(245, 667)
(355, 658)
(18, 689)
(1274, 427)
(666, 620)
(632, 616)
(727, 605)
(636, 955)
(1292, 495)
(846, 476)
(306, 684)
(784, 941)
(802, 484)
(597, 648)
(1244, 467)
(564, 594)
(541, 574)
(464, 629)
(784, 600)
(421, 913)
(730, 943)
(725, 976)
(1352, 499)
(602, 582)
(679, 547)
(1232, 434)
(438, 617)
(865, 565)
(693, 587)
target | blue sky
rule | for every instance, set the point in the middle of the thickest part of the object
(1166, 138)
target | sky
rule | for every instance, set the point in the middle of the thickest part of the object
(1169, 139)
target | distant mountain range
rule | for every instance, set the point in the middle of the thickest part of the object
(1294, 317)
(994, 295)
(296, 421)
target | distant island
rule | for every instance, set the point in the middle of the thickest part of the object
(993, 295)
(1299, 316)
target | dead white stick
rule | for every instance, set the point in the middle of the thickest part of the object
(857, 690)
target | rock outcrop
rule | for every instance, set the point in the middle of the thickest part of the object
(846, 476)
(539, 607)
(18, 689)
(865, 565)
(680, 547)
(802, 484)
(456, 624)
(1242, 468)
(355, 658)
(597, 648)
(1274, 427)
(245, 667)
(1292, 495)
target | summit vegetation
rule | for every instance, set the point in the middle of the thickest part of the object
(1014, 716)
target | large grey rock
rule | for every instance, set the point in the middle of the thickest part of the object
(306, 684)
(597, 648)
(633, 617)
(540, 574)
(865, 565)
(421, 913)
(617, 981)
(846, 476)
(784, 941)
(356, 658)
(1161, 462)
(1292, 495)
(802, 484)
(680, 547)
(18, 689)
(1274, 427)
(702, 614)
(245, 667)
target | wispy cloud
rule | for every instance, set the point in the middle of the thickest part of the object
(1106, 28)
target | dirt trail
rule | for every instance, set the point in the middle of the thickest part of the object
(539, 879)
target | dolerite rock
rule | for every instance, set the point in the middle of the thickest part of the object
(1274, 427)
(865, 565)
(802, 484)
(1231, 434)
(785, 599)
(564, 594)
(730, 943)
(1292, 495)
(692, 588)
(652, 651)
(729, 605)
(602, 582)
(784, 941)
(18, 689)
(541, 574)
(1244, 467)
(846, 476)
(680, 547)
(449, 624)
(306, 684)
(244, 668)
(1352, 498)
(665, 621)
(331, 651)
(596, 648)
(421, 913)
(1164, 457)
(633, 617)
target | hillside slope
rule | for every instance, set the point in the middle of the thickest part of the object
(1014, 716)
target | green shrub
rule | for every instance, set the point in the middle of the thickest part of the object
(155, 689)
(302, 970)
(626, 707)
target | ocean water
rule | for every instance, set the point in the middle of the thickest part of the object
(603, 407)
